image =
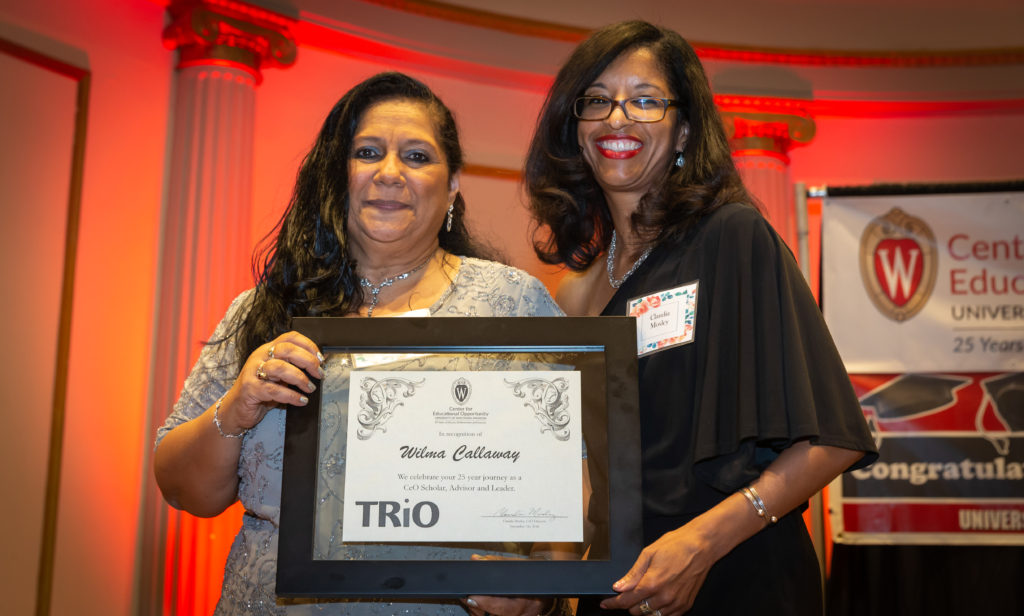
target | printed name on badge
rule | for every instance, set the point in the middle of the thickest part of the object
(664, 319)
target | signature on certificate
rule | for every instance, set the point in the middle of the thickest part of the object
(530, 513)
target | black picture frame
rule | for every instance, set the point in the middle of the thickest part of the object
(613, 451)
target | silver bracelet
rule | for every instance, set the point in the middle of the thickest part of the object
(216, 421)
(759, 506)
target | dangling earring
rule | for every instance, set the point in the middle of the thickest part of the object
(451, 213)
(679, 159)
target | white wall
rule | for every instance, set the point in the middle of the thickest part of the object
(102, 466)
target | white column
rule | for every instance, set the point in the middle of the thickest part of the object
(767, 178)
(204, 264)
(760, 143)
(205, 257)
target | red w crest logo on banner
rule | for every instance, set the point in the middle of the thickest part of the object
(898, 263)
(898, 268)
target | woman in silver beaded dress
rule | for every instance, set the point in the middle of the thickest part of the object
(375, 227)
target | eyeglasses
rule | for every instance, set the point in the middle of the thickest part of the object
(639, 109)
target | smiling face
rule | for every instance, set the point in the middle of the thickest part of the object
(629, 158)
(399, 187)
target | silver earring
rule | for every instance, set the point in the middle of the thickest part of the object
(451, 214)
(679, 159)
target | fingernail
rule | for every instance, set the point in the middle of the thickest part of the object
(311, 386)
(303, 399)
(320, 356)
(471, 603)
(321, 370)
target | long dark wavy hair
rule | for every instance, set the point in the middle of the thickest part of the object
(304, 266)
(563, 193)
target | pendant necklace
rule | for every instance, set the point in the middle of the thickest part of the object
(610, 263)
(387, 282)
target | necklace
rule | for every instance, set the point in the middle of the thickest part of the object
(610, 263)
(387, 282)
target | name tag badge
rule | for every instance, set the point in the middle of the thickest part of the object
(664, 319)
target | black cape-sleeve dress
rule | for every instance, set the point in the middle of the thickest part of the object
(760, 373)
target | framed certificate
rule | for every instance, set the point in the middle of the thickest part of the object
(442, 457)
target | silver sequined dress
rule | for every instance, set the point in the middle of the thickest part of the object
(480, 288)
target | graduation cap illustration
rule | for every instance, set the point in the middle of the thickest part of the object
(911, 395)
(1006, 392)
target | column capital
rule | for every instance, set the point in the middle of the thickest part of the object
(229, 33)
(772, 132)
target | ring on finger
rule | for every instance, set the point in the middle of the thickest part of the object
(270, 351)
(260, 372)
(645, 609)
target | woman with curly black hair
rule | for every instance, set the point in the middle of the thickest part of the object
(746, 410)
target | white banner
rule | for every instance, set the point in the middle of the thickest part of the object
(925, 283)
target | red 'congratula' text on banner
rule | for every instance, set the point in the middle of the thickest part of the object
(950, 466)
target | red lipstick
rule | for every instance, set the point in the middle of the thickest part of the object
(618, 146)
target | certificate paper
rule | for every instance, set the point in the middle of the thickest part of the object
(450, 456)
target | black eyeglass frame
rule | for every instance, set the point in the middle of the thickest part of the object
(621, 104)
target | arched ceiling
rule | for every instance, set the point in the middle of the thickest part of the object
(940, 51)
(866, 25)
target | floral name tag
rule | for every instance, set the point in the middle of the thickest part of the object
(664, 319)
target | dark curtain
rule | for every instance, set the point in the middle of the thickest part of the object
(930, 580)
